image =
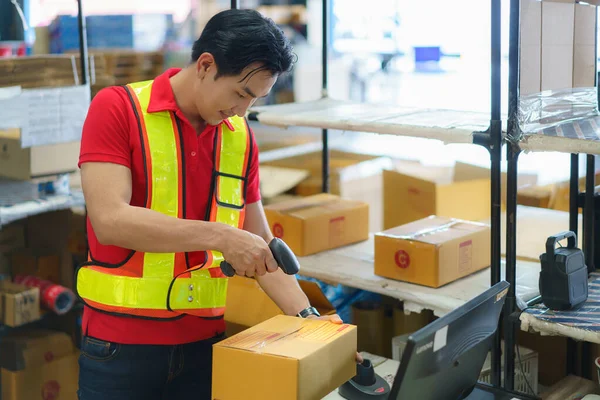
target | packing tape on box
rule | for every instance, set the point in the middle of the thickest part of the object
(54, 297)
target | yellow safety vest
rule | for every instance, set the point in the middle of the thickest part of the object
(163, 285)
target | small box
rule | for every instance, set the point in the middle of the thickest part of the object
(12, 237)
(433, 251)
(44, 264)
(18, 304)
(284, 358)
(317, 223)
(352, 176)
(248, 304)
(414, 191)
(33, 348)
(38, 161)
(57, 380)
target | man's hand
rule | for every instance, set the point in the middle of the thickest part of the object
(248, 254)
(336, 320)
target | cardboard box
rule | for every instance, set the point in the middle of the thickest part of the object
(414, 191)
(33, 162)
(248, 304)
(321, 222)
(284, 358)
(42, 263)
(561, 194)
(32, 348)
(352, 176)
(535, 196)
(534, 227)
(56, 380)
(18, 304)
(557, 45)
(433, 251)
(12, 237)
(77, 241)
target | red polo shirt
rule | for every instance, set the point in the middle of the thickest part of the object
(110, 134)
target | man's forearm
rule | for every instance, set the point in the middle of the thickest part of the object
(146, 230)
(283, 289)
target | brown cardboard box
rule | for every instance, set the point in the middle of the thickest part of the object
(51, 231)
(77, 241)
(561, 193)
(534, 227)
(352, 176)
(535, 196)
(18, 304)
(32, 348)
(274, 181)
(369, 318)
(557, 45)
(56, 380)
(12, 237)
(44, 264)
(284, 358)
(321, 222)
(433, 251)
(248, 304)
(414, 191)
(28, 163)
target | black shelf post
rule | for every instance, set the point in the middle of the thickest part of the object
(235, 4)
(492, 140)
(495, 149)
(573, 227)
(83, 49)
(512, 154)
(324, 132)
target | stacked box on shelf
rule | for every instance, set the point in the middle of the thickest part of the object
(110, 31)
(48, 70)
(51, 156)
(64, 34)
(144, 32)
(132, 66)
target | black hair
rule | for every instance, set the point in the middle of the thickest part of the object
(238, 38)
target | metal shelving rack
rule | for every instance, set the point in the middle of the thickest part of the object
(517, 141)
(33, 208)
(491, 138)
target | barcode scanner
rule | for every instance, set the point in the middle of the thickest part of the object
(286, 259)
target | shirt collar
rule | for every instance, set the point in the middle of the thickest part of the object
(163, 99)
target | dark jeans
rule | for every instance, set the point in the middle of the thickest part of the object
(145, 372)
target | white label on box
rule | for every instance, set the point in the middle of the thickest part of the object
(55, 115)
(439, 342)
(45, 115)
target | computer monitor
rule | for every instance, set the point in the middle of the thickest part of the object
(444, 359)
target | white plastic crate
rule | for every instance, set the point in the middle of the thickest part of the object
(529, 365)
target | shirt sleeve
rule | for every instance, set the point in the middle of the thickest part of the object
(253, 189)
(105, 135)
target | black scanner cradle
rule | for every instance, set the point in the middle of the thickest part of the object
(365, 385)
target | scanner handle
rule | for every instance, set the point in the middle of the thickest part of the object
(552, 240)
(284, 256)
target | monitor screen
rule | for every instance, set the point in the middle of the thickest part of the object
(444, 359)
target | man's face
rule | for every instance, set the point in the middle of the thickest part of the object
(221, 98)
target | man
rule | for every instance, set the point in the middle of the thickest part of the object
(169, 171)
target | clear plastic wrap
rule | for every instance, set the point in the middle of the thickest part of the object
(544, 112)
(580, 324)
